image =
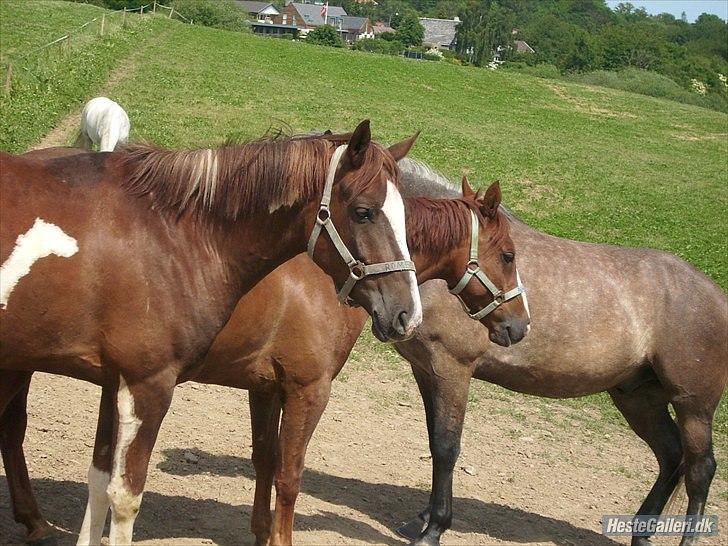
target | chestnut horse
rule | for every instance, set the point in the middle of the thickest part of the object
(296, 376)
(121, 268)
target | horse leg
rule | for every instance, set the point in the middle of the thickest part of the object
(83, 141)
(302, 409)
(265, 412)
(140, 409)
(445, 401)
(695, 422)
(646, 411)
(14, 388)
(99, 474)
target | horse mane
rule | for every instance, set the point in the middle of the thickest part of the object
(418, 179)
(237, 180)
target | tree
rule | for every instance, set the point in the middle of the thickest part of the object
(325, 35)
(410, 32)
(486, 31)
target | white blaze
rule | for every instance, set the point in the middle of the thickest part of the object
(525, 299)
(393, 209)
(41, 240)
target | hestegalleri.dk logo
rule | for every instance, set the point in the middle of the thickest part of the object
(644, 526)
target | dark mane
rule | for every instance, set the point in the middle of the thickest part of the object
(436, 226)
(238, 180)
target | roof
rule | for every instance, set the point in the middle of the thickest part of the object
(311, 13)
(254, 7)
(380, 27)
(349, 22)
(439, 31)
(523, 47)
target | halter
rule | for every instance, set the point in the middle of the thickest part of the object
(357, 269)
(473, 270)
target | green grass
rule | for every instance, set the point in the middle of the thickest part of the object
(577, 161)
(48, 83)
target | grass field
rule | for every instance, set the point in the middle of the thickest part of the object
(582, 162)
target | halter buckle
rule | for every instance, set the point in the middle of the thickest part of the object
(323, 215)
(357, 271)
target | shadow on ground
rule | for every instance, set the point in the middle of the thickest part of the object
(163, 517)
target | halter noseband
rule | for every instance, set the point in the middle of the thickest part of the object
(357, 269)
(473, 270)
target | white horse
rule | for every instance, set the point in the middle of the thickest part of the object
(103, 123)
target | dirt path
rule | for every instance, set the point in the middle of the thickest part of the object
(529, 481)
(64, 133)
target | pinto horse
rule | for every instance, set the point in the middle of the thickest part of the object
(103, 123)
(289, 365)
(121, 268)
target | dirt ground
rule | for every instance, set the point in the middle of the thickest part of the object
(529, 480)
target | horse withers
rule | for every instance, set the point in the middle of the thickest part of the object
(120, 269)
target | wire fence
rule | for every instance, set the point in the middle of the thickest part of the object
(101, 25)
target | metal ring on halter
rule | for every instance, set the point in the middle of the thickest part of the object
(499, 296)
(357, 269)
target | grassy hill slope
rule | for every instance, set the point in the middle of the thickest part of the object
(582, 162)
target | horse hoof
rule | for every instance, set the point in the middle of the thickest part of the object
(412, 529)
(426, 541)
(641, 541)
(49, 540)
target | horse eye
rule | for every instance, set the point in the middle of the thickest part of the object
(508, 257)
(363, 214)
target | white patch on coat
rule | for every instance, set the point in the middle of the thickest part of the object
(124, 504)
(41, 240)
(393, 209)
(96, 508)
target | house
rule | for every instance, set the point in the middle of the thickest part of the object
(260, 11)
(380, 27)
(271, 29)
(440, 33)
(523, 47)
(308, 16)
(352, 28)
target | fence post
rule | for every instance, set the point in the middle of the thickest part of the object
(154, 7)
(123, 22)
(141, 10)
(103, 23)
(9, 79)
(171, 12)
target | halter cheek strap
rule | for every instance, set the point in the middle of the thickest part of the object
(473, 270)
(357, 269)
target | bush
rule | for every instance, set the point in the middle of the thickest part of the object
(223, 14)
(375, 45)
(325, 35)
(650, 83)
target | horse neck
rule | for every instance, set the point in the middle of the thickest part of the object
(437, 232)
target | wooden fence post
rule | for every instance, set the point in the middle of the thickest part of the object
(154, 7)
(9, 79)
(171, 12)
(141, 10)
(123, 21)
(103, 23)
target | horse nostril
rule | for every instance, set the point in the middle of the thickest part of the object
(401, 325)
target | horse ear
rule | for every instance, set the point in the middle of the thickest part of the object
(489, 201)
(401, 149)
(358, 144)
(468, 192)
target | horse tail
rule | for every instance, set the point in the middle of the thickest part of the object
(676, 503)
